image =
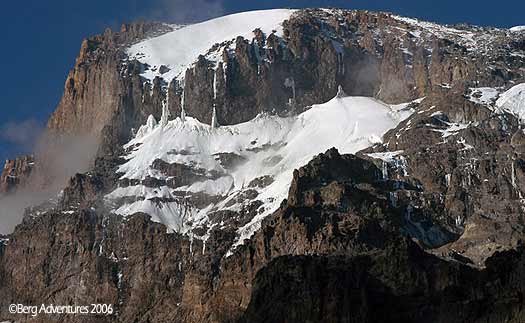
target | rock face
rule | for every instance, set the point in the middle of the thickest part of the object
(474, 181)
(371, 54)
(15, 173)
(332, 251)
(375, 289)
(104, 91)
(425, 226)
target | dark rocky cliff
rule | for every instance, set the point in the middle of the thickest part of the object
(332, 252)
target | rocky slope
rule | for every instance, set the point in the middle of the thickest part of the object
(328, 245)
(178, 220)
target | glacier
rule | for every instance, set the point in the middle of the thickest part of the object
(513, 101)
(269, 145)
(180, 48)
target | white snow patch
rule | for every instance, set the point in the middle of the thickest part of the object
(148, 127)
(513, 101)
(170, 214)
(140, 191)
(517, 29)
(270, 146)
(388, 157)
(475, 39)
(453, 128)
(466, 146)
(483, 95)
(220, 186)
(180, 48)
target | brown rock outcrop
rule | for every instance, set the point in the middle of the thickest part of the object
(15, 173)
(335, 256)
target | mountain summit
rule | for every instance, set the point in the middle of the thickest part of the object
(315, 165)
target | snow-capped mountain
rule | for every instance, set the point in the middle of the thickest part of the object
(179, 49)
(368, 165)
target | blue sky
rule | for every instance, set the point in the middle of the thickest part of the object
(41, 39)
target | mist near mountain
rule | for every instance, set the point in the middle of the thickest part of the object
(57, 159)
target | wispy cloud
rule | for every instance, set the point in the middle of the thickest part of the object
(23, 133)
(57, 159)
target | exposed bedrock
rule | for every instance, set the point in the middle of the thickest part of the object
(333, 252)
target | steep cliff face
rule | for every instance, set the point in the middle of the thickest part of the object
(467, 159)
(333, 250)
(178, 221)
(375, 288)
(102, 90)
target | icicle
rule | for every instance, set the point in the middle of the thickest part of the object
(408, 213)
(215, 85)
(384, 170)
(290, 82)
(447, 179)
(182, 94)
(256, 49)
(513, 175)
(151, 123)
(340, 92)
(183, 114)
(403, 165)
(165, 115)
(191, 242)
(514, 184)
(214, 123)
(393, 199)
